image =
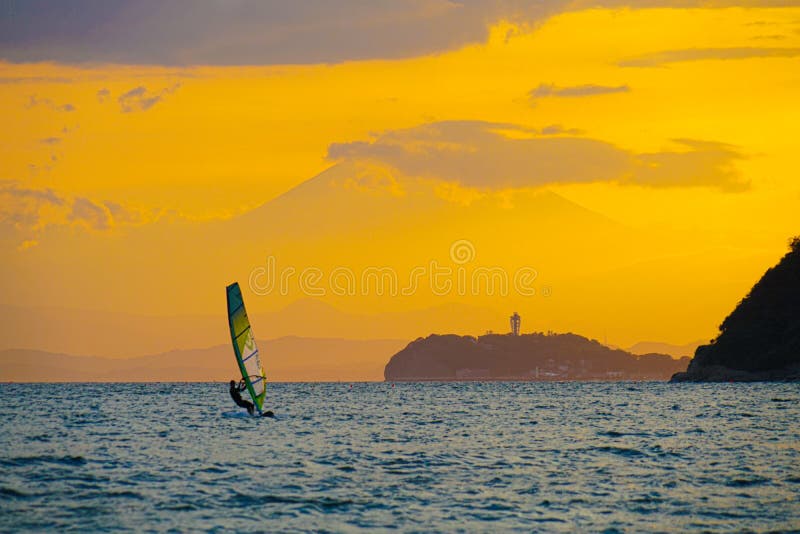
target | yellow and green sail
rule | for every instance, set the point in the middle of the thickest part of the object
(244, 346)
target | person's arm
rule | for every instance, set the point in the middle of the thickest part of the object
(242, 385)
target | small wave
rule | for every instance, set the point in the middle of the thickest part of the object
(746, 482)
(549, 520)
(660, 452)
(648, 499)
(20, 461)
(622, 451)
(11, 493)
(322, 503)
(498, 507)
(213, 469)
(124, 494)
(177, 507)
(616, 434)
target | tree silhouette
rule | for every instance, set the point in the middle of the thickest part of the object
(762, 334)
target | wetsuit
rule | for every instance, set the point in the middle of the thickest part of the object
(237, 398)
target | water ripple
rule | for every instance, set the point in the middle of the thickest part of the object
(480, 457)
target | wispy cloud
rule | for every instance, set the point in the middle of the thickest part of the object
(24, 207)
(479, 155)
(87, 212)
(103, 95)
(50, 140)
(772, 37)
(34, 79)
(140, 99)
(34, 101)
(121, 214)
(658, 59)
(557, 129)
(30, 210)
(551, 90)
(15, 189)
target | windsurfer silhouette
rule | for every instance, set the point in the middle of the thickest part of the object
(236, 395)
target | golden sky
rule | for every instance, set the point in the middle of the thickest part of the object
(642, 161)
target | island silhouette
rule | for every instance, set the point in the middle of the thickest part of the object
(760, 339)
(536, 356)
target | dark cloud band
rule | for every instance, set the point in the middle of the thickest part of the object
(261, 32)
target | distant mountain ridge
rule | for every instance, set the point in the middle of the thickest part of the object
(760, 339)
(123, 335)
(525, 357)
(285, 359)
(676, 351)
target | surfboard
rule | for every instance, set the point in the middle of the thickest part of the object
(242, 414)
(244, 347)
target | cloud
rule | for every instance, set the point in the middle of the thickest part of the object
(704, 164)
(658, 59)
(14, 189)
(50, 140)
(250, 32)
(556, 129)
(260, 32)
(23, 206)
(121, 214)
(34, 101)
(30, 210)
(34, 79)
(476, 154)
(103, 95)
(471, 153)
(772, 37)
(87, 212)
(550, 90)
(140, 99)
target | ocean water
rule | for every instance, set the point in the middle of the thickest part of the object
(418, 457)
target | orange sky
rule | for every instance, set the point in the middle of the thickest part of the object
(642, 161)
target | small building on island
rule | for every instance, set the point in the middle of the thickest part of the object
(515, 321)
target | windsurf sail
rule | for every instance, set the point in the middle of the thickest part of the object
(244, 347)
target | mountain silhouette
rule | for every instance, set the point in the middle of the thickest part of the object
(337, 218)
(122, 335)
(288, 359)
(676, 351)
